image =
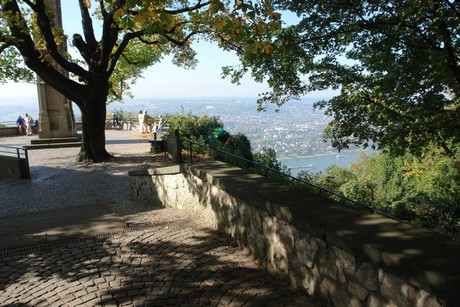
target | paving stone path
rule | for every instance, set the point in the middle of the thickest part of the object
(164, 257)
(179, 264)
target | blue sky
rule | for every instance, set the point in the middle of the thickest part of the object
(165, 79)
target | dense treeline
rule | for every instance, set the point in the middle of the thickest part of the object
(424, 191)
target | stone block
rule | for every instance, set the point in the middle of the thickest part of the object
(258, 246)
(306, 250)
(339, 296)
(374, 301)
(427, 299)
(395, 290)
(347, 260)
(358, 291)
(327, 265)
(368, 275)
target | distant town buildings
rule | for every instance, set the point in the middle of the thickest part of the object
(296, 130)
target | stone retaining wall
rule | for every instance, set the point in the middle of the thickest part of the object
(14, 168)
(340, 255)
(13, 131)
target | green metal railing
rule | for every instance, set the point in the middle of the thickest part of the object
(289, 178)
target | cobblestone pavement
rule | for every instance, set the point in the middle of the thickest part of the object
(176, 264)
(165, 257)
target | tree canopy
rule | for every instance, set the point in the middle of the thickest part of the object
(395, 65)
(134, 35)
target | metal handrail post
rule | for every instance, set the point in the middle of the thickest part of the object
(26, 156)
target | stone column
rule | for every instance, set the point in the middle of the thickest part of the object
(56, 115)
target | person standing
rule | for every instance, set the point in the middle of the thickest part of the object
(161, 121)
(29, 124)
(141, 121)
(120, 120)
(145, 121)
(115, 122)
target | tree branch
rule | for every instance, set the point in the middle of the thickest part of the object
(199, 5)
(398, 113)
(182, 42)
(449, 52)
(109, 40)
(103, 11)
(121, 48)
(33, 58)
(45, 26)
(5, 46)
(87, 24)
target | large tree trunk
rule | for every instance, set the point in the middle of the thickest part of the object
(93, 127)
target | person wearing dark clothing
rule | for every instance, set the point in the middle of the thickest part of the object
(21, 124)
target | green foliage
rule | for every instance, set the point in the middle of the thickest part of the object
(334, 178)
(194, 128)
(307, 176)
(390, 179)
(362, 190)
(209, 131)
(12, 68)
(434, 181)
(395, 65)
(240, 146)
(424, 191)
(267, 158)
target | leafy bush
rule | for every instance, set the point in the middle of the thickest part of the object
(360, 191)
(334, 178)
(238, 145)
(424, 191)
(194, 128)
(209, 130)
(267, 158)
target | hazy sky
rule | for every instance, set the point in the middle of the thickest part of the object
(164, 79)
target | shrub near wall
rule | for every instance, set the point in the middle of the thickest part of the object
(340, 255)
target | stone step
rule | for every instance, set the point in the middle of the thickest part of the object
(69, 139)
(52, 145)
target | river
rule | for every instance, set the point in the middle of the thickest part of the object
(319, 163)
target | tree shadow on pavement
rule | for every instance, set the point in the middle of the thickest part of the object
(172, 260)
(182, 263)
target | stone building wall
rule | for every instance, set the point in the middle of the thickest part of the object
(340, 255)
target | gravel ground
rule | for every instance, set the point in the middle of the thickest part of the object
(59, 182)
